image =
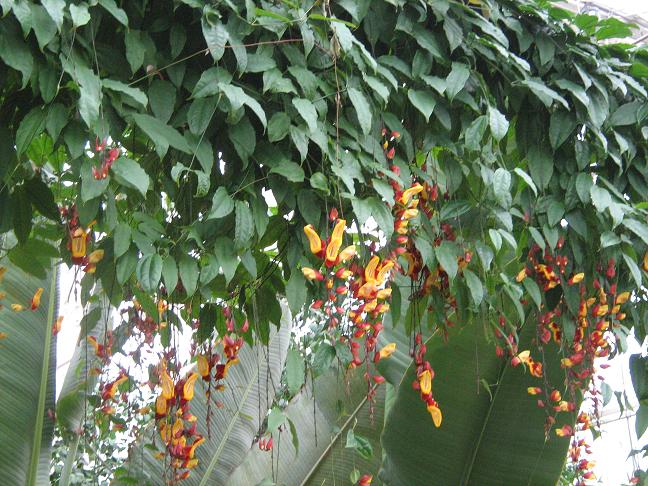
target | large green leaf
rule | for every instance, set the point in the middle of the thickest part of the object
(479, 436)
(321, 456)
(234, 426)
(78, 382)
(27, 380)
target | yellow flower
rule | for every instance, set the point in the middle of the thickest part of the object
(370, 269)
(387, 350)
(36, 298)
(167, 385)
(437, 416)
(410, 213)
(160, 405)
(384, 293)
(196, 443)
(311, 274)
(203, 365)
(521, 275)
(78, 243)
(408, 193)
(622, 298)
(178, 425)
(578, 278)
(336, 241)
(425, 381)
(384, 271)
(313, 239)
(645, 262)
(347, 253)
(17, 307)
(188, 389)
(96, 256)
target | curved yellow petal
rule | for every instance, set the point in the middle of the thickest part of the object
(167, 385)
(370, 269)
(188, 388)
(437, 416)
(313, 239)
(425, 381)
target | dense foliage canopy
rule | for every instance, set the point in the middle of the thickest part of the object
(173, 152)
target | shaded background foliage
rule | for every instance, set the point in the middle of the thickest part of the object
(531, 128)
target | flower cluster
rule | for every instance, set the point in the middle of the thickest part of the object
(79, 238)
(107, 157)
(176, 423)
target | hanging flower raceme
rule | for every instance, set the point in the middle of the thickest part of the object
(176, 423)
(106, 158)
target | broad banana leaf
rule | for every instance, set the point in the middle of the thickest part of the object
(27, 378)
(321, 457)
(78, 382)
(498, 440)
(233, 427)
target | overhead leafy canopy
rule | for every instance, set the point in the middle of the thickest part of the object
(529, 120)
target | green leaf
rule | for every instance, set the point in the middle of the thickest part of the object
(475, 132)
(90, 90)
(561, 126)
(200, 114)
(638, 228)
(321, 458)
(498, 123)
(81, 16)
(294, 371)
(115, 11)
(22, 214)
(135, 47)
(162, 135)
(290, 170)
(502, 187)
(296, 291)
(188, 274)
(122, 239)
(91, 188)
(216, 38)
(318, 181)
(526, 178)
(423, 101)
(134, 93)
(634, 269)
(15, 52)
(383, 216)
(541, 166)
(43, 25)
(543, 92)
(226, 255)
(533, 290)
(149, 272)
(276, 417)
(237, 98)
(244, 230)
(478, 432)
(475, 287)
(42, 198)
(306, 110)
(626, 114)
(222, 204)
(600, 198)
(456, 80)
(278, 126)
(30, 127)
(170, 274)
(446, 254)
(362, 108)
(57, 118)
(128, 173)
(28, 358)
(55, 10)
